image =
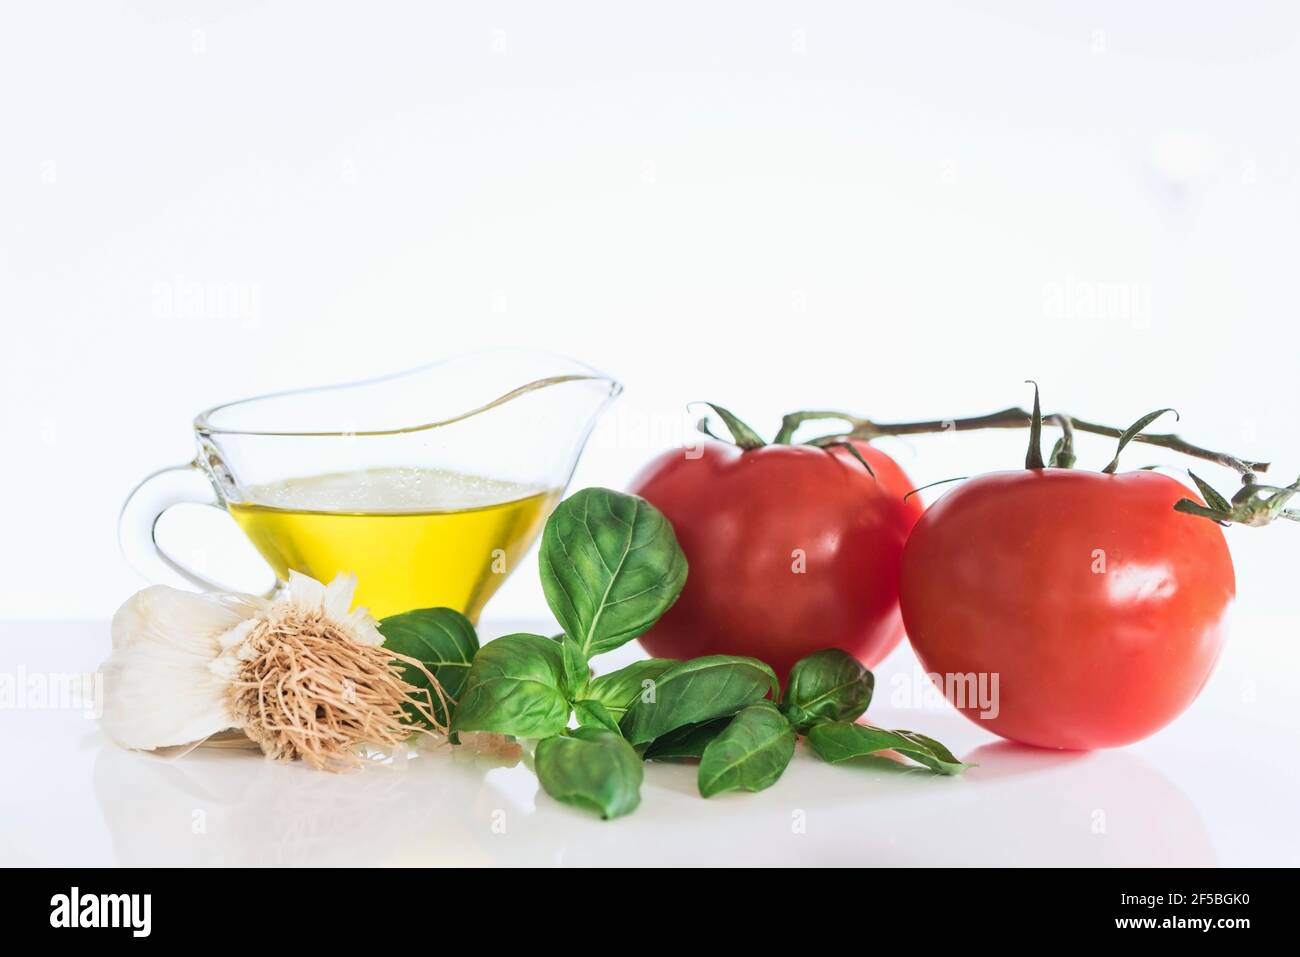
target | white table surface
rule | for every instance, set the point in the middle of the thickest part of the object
(1216, 787)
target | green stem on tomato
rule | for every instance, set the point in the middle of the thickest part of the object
(1034, 457)
(1063, 456)
(792, 421)
(1011, 418)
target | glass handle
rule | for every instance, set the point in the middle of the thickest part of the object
(137, 525)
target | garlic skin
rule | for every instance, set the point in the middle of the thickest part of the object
(159, 687)
(177, 654)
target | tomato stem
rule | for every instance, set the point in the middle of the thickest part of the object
(922, 488)
(1253, 504)
(852, 450)
(1034, 457)
(1132, 432)
(792, 421)
(1063, 456)
(1015, 418)
(742, 435)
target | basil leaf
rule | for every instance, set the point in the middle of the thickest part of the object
(443, 640)
(515, 686)
(935, 756)
(750, 754)
(839, 741)
(593, 714)
(576, 670)
(686, 744)
(595, 770)
(696, 691)
(618, 689)
(828, 685)
(610, 566)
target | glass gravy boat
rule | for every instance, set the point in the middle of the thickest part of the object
(429, 485)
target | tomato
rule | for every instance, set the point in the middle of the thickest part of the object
(791, 549)
(1098, 607)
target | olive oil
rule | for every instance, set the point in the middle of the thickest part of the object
(415, 538)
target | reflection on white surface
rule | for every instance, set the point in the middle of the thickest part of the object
(1107, 808)
(212, 808)
(1021, 805)
(1175, 799)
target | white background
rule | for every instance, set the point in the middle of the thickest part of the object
(902, 209)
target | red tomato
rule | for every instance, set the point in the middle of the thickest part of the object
(791, 549)
(1100, 609)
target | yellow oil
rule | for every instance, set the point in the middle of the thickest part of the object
(415, 538)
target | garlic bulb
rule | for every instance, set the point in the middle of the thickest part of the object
(303, 675)
(159, 685)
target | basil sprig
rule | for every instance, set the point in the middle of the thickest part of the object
(610, 567)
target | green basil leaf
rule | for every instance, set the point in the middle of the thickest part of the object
(592, 769)
(750, 754)
(933, 755)
(618, 689)
(696, 691)
(593, 714)
(687, 743)
(443, 640)
(577, 673)
(515, 686)
(610, 566)
(828, 685)
(839, 741)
